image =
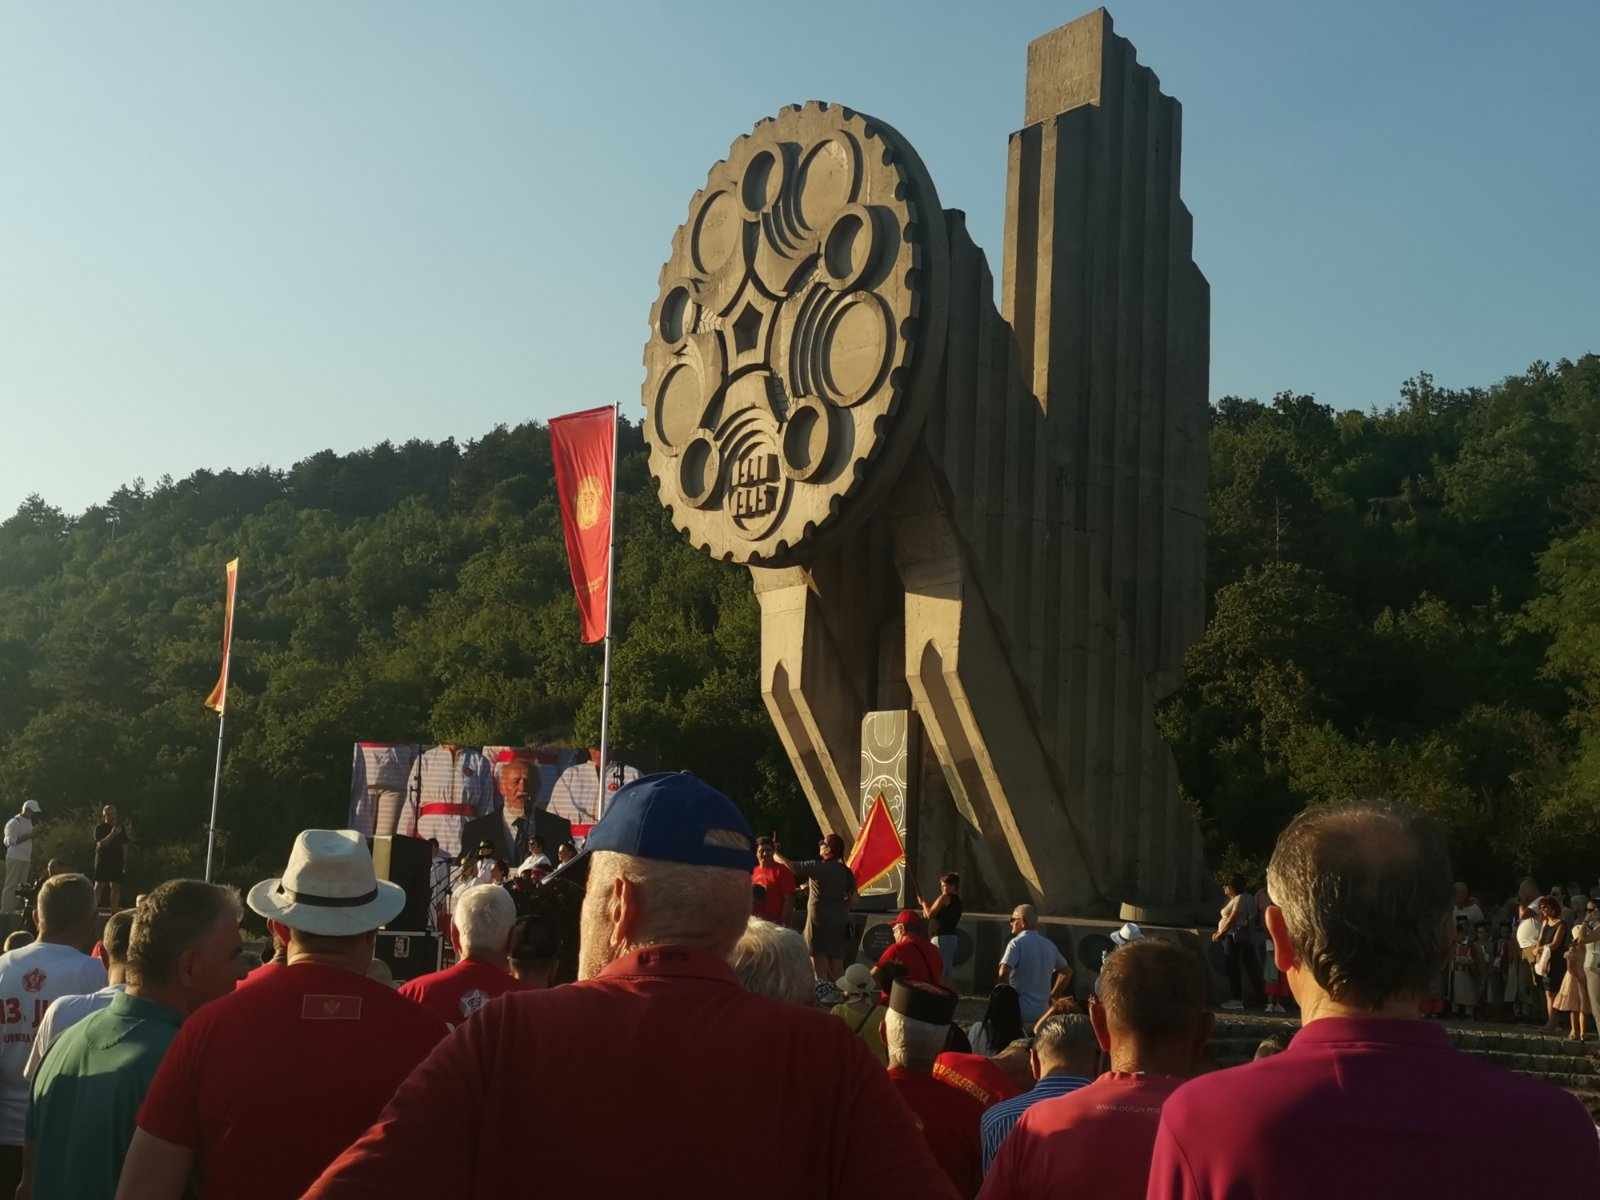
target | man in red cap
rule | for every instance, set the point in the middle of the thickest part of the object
(914, 1029)
(912, 957)
(648, 1056)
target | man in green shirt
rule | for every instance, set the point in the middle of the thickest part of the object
(184, 950)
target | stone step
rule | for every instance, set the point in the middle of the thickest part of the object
(1549, 1058)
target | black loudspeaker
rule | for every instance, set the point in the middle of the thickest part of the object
(407, 862)
(409, 954)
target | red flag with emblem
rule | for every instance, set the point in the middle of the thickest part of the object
(878, 849)
(582, 448)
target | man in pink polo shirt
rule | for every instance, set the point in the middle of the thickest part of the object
(1149, 1015)
(1369, 1099)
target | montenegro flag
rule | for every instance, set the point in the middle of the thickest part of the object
(878, 850)
(582, 450)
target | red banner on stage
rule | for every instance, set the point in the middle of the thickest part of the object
(582, 448)
(878, 850)
(218, 699)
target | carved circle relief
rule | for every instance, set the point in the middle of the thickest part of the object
(798, 319)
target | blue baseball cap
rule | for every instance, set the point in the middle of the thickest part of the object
(674, 816)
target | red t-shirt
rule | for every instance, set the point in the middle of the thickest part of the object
(918, 956)
(1097, 1138)
(950, 1121)
(265, 971)
(975, 1075)
(457, 992)
(643, 1076)
(269, 1083)
(780, 884)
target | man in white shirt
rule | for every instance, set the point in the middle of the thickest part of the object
(576, 794)
(1029, 963)
(57, 964)
(449, 785)
(66, 1011)
(19, 855)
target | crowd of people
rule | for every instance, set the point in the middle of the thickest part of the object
(140, 1059)
(1534, 958)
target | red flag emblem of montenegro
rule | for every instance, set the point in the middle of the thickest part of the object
(581, 445)
(878, 849)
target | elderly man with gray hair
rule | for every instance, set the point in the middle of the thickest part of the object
(484, 915)
(1030, 962)
(773, 961)
(1368, 1097)
(689, 1069)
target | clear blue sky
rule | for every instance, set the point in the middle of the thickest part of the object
(235, 234)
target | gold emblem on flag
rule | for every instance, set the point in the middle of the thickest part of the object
(588, 502)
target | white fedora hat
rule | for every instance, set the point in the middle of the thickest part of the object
(329, 887)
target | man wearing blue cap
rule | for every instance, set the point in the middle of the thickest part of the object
(656, 1070)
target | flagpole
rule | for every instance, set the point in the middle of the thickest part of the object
(216, 780)
(611, 575)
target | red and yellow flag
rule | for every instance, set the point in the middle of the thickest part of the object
(582, 449)
(878, 849)
(218, 699)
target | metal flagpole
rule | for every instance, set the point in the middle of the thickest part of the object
(611, 575)
(216, 779)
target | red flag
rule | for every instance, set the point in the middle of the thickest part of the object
(582, 446)
(218, 699)
(878, 849)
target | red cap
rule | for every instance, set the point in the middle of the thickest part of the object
(908, 916)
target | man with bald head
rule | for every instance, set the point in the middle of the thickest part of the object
(685, 1065)
(1368, 1095)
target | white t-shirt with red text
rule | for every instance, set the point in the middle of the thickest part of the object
(30, 978)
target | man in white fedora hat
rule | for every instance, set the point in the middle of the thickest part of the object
(308, 1056)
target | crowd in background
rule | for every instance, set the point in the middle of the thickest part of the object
(703, 1041)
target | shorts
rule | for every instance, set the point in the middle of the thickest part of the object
(108, 873)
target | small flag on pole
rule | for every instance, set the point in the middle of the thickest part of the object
(218, 699)
(582, 451)
(878, 849)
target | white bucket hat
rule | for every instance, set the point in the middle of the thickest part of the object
(329, 887)
(1128, 933)
(31, 806)
(856, 981)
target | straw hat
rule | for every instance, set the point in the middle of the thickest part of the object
(329, 887)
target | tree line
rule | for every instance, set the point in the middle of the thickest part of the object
(1404, 601)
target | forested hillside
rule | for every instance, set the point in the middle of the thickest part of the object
(401, 592)
(1404, 602)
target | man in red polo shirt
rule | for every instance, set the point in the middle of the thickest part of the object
(641, 1071)
(483, 916)
(304, 1058)
(915, 1028)
(1149, 1015)
(1369, 1099)
(911, 956)
(776, 880)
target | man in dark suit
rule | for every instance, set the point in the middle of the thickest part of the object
(509, 827)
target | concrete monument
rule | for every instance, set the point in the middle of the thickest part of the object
(991, 517)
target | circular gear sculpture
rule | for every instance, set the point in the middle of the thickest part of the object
(796, 335)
